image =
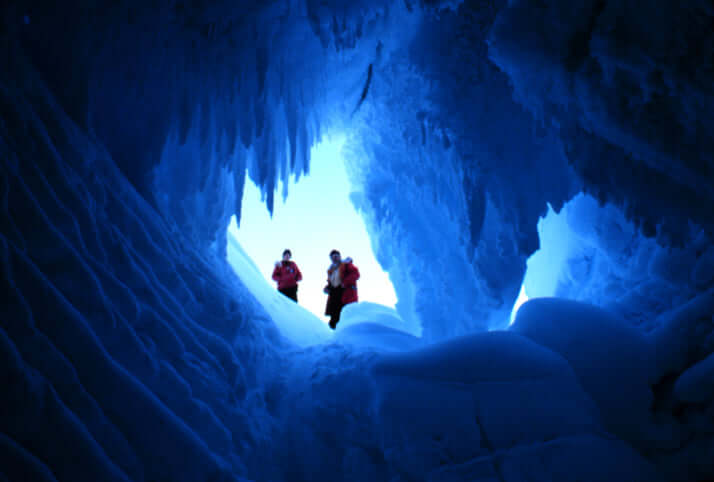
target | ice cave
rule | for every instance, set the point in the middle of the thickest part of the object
(553, 156)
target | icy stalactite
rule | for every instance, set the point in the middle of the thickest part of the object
(276, 90)
(167, 77)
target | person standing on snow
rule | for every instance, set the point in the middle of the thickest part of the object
(341, 286)
(287, 274)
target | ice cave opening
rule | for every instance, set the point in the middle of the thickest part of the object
(497, 150)
(314, 215)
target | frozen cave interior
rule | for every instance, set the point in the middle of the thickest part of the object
(537, 178)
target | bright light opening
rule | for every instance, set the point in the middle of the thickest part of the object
(522, 298)
(316, 218)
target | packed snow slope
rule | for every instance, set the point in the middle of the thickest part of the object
(567, 142)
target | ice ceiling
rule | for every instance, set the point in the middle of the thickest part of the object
(127, 130)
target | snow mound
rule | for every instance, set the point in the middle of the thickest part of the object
(684, 335)
(696, 385)
(493, 406)
(377, 336)
(613, 362)
(375, 326)
(364, 311)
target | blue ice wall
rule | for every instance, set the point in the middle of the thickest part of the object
(470, 165)
(125, 133)
(628, 86)
(120, 337)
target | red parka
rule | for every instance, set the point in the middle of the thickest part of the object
(287, 274)
(349, 274)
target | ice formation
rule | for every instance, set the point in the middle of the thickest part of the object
(561, 146)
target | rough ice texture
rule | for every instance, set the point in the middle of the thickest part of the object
(494, 406)
(125, 134)
(123, 346)
(447, 164)
(633, 378)
(593, 253)
(629, 86)
(684, 341)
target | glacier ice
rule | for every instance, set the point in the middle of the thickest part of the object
(128, 342)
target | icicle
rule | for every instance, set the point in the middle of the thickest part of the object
(261, 67)
(231, 128)
(246, 124)
(291, 118)
(239, 186)
(270, 201)
(304, 151)
(259, 116)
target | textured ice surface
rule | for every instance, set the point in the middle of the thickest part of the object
(124, 346)
(633, 102)
(441, 186)
(128, 343)
(494, 406)
(592, 253)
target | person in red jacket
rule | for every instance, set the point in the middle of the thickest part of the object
(287, 274)
(341, 286)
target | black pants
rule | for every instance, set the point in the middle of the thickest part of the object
(334, 306)
(290, 292)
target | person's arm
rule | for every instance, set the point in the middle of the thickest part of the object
(298, 274)
(276, 272)
(327, 287)
(351, 275)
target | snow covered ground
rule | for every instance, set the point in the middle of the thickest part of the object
(374, 326)
(295, 322)
(486, 407)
